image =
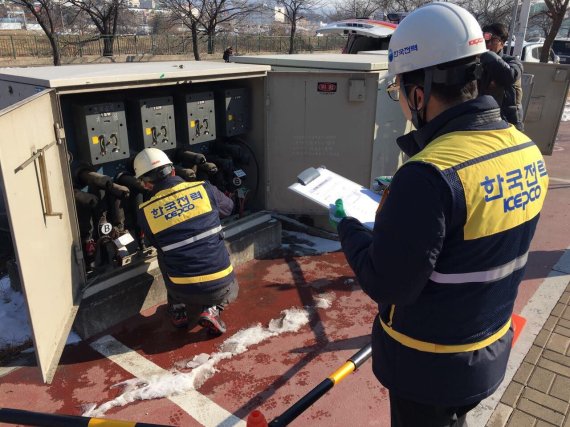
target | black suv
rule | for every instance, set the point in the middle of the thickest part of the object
(562, 48)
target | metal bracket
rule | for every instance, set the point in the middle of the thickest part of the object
(78, 254)
(59, 133)
(40, 156)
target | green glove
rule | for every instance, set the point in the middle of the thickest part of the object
(381, 183)
(336, 213)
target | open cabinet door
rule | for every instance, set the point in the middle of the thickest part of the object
(38, 198)
(545, 106)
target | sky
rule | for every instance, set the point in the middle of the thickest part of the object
(16, 331)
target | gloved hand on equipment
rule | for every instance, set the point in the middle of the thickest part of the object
(336, 213)
(381, 183)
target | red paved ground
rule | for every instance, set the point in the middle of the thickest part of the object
(275, 373)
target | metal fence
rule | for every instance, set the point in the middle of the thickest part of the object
(16, 46)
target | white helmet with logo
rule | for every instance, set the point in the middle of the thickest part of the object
(434, 34)
(148, 160)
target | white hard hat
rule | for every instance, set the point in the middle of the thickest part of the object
(434, 34)
(148, 160)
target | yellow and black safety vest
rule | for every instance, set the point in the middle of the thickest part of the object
(498, 182)
(184, 226)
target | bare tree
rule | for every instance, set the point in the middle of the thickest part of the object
(292, 11)
(188, 14)
(204, 16)
(355, 9)
(160, 23)
(105, 16)
(540, 20)
(400, 5)
(218, 12)
(78, 20)
(556, 9)
(46, 13)
(489, 11)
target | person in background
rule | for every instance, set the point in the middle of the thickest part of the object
(502, 75)
(182, 221)
(449, 245)
(227, 53)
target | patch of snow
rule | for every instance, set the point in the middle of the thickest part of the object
(324, 300)
(204, 365)
(16, 329)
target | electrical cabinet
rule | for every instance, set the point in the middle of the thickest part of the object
(247, 128)
(235, 111)
(199, 119)
(152, 120)
(330, 110)
(101, 132)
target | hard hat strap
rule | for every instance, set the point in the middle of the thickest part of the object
(418, 114)
(458, 75)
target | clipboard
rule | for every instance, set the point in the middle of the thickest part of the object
(324, 187)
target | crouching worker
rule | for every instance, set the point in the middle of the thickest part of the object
(182, 221)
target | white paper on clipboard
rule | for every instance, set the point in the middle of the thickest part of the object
(359, 202)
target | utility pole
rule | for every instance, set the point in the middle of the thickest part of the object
(520, 27)
(512, 27)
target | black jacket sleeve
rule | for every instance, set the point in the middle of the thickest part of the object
(505, 70)
(395, 260)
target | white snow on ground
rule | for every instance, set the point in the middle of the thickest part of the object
(203, 365)
(324, 300)
(16, 328)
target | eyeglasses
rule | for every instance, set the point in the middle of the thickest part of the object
(393, 90)
(490, 37)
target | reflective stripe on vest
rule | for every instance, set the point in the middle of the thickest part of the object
(440, 348)
(193, 239)
(482, 276)
(501, 177)
(200, 279)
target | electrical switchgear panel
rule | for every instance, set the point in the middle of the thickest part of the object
(102, 132)
(154, 121)
(200, 118)
(236, 109)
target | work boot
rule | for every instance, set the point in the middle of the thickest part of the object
(177, 315)
(210, 318)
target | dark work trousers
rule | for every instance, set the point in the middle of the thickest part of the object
(195, 304)
(407, 413)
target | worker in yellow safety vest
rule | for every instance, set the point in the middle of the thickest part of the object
(450, 244)
(182, 221)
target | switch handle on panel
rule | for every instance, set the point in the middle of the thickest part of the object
(114, 140)
(164, 133)
(102, 144)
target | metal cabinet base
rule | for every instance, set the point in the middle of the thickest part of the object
(109, 306)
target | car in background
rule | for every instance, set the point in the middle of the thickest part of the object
(532, 50)
(362, 34)
(561, 47)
